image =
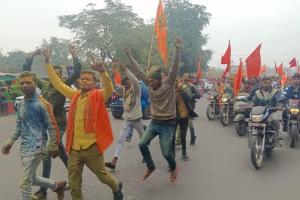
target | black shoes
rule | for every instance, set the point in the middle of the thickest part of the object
(110, 165)
(193, 140)
(119, 195)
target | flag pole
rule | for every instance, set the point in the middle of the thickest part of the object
(150, 50)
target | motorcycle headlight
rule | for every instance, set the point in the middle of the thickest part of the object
(224, 99)
(240, 97)
(294, 111)
(257, 118)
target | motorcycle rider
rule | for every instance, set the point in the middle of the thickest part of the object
(291, 92)
(267, 96)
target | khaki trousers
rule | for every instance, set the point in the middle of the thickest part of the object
(95, 162)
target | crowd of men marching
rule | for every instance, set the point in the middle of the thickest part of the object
(42, 121)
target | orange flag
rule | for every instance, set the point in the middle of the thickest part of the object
(253, 63)
(279, 69)
(283, 79)
(161, 32)
(262, 69)
(226, 59)
(238, 80)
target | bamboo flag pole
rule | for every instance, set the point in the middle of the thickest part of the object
(150, 50)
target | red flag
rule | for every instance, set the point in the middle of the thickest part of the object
(253, 63)
(293, 63)
(262, 69)
(161, 32)
(279, 69)
(283, 79)
(238, 79)
(226, 59)
(199, 73)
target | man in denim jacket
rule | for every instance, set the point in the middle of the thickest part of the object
(34, 119)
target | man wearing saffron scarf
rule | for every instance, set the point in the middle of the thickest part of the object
(89, 131)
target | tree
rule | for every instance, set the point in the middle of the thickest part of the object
(187, 21)
(13, 61)
(106, 32)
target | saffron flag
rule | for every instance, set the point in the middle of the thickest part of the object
(199, 73)
(279, 69)
(161, 33)
(293, 63)
(238, 80)
(253, 63)
(226, 59)
(262, 70)
(283, 79)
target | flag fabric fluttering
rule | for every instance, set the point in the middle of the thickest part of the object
(161, 32)
(199, 72)
(226, 59)
(238, 80)
(283, 79)
(262, 70)
(293, 63)
(253, 63)
(279, 69)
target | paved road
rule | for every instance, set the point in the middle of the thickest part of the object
(219, 169)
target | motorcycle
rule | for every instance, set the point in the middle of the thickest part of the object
(242, 109)
(213, 106)
(263, 135)
(293, 121)
(226, 110)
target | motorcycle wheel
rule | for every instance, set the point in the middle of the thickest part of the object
(269, 152)
(240, 128)
(224, 118)
(210, 113)
(293, 135)
(257, 154)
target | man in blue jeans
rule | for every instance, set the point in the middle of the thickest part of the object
(163, 108)
(58, 101)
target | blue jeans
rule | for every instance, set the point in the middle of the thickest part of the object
(166, 132)
(47, 163)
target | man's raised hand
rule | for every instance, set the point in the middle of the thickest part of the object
(72, 50)
(98, 66)
(47, 53)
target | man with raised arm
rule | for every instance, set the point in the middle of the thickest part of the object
(57, 100)
(89, 131)
(163, 110)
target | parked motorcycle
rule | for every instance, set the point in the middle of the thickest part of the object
(226, 110)
(263, 135)
(293, 121)
(242, 109)
(213, 107)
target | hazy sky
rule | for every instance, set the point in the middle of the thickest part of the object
(274, 23)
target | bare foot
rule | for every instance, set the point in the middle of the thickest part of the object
(173, 175)
(148, 173)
